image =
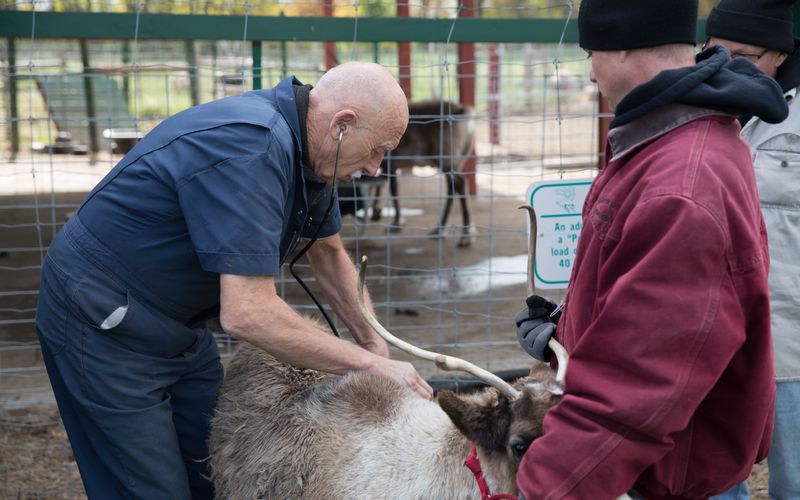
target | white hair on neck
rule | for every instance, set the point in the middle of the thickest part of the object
(681, 53)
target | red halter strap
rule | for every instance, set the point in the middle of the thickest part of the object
(474, 465)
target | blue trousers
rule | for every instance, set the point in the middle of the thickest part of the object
(738, 492)
(136, 405)
(784, 456)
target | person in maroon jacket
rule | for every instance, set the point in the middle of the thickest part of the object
(670, 387)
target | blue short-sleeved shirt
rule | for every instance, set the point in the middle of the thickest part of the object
(216, 189)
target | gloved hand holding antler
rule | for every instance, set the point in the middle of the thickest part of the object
(536, 323)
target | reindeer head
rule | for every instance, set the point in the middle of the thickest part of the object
(502, 427)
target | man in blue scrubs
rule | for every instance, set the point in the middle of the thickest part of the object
(193, 223)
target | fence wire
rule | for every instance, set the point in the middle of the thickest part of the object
(535, 116)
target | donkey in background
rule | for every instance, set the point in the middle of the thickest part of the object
(440, 134)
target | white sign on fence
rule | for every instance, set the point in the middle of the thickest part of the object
(558, 206)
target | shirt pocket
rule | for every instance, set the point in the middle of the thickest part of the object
(777, 166)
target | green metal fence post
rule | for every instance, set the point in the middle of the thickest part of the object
(12, 98)
(284, 60)
(256, 64)
(126, 61)
(284, 56)
(213, 49)
(194, 80)
(88, 90)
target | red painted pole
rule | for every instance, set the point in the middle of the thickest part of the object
(329, 47)
(404, 54)
(466, 89)
(602, 129)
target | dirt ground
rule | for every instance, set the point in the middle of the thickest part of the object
(37, 463)
(427, 290)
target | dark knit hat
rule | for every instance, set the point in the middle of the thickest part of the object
(636, 24)
(764, 23)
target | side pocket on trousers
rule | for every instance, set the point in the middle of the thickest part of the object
(144, 329)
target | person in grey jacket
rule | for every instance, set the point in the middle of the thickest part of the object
(763, 33)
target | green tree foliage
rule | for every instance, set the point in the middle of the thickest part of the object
(528, 9)
(706, 6)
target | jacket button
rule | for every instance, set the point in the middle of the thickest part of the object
(299, 212)
(784, 163)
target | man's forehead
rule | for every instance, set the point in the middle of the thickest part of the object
(391, 142)
(391, 138)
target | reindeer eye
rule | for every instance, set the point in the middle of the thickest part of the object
(519, 449)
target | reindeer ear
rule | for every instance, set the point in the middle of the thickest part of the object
(540, 371)
(544, 375)
(483, 418)
(555, 388)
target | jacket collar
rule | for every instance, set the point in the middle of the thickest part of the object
(715, 82)
(624, 138)
(748, 122)
(285, 100)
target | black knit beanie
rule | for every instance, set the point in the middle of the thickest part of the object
(636, 24)
(764, 23)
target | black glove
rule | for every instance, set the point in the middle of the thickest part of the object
(535, 326)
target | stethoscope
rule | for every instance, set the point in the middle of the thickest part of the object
(313, 240)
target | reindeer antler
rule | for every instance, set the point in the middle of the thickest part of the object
(561, 353)
(531, 244)
(443, 361)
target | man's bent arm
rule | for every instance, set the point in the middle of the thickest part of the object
(252, 311)
(338, 279)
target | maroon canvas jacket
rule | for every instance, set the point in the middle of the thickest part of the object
(670, 386)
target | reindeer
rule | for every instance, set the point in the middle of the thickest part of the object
(281, 432)
(284, 432)
(440, 134)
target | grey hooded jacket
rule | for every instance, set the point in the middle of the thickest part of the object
(776, 158)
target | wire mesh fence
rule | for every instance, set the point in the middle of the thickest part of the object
(535, 116)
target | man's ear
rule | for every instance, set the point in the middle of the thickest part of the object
(341, 121)
(484, 418)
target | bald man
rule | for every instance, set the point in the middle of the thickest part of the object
(193, 223)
